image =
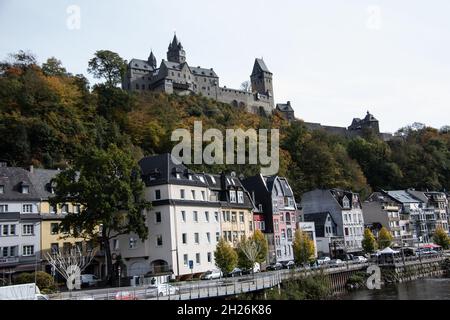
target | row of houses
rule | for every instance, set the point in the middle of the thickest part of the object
(191, 211)
(340, 217)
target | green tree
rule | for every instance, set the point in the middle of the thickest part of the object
(259, 238)
(107, 185)
(225, 256)
(247, 252)
(384, 238)
(43, 280)
(440, 237)
(107, 65)
(303, 247)
(369, 242)
(53, 67)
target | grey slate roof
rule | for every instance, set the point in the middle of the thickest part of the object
(162, 169)
(402, 196)
(285, 107)
(140, 64)
(41, 179)
(203, 72)
(319, 220)
(262, 65)
(222, 183)
(12, 178)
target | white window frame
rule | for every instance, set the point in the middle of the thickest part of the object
(240, 195)
(25, 252)
(27, 206)
(233, 196)
(26, 229)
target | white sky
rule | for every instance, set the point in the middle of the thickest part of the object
(333, 60)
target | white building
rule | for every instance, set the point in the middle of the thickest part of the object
(19, 222)
(183, 224)
(345, 209)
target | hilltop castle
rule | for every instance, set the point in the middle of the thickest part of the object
(176, 76)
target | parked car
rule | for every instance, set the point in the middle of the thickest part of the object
(256, 269)
(275, 266)
(323, 260)
(212, 274)
(89, 280)
(360, 259)
(336, 263)
(164, 289)
(289, 265)
(236, 272)
(124, 295)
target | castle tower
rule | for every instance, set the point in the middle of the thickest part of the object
(261, 79)
(152, 60)
(176, 52)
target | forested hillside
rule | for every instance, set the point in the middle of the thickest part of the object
(48, 116)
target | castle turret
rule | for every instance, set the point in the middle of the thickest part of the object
(176, 52)
(261, 79)
(152, 60)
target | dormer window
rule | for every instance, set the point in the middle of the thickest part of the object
(190, 176)
(346, 203)
(24, 188)
(232, 196)
(213, 179)
(177, 175)
(2, 189)
(240, 196)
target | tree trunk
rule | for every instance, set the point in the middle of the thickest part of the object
(110, 269)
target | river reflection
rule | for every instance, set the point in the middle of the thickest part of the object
(423, 289)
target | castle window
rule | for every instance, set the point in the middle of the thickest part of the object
(137, 86)
(173, 73)
(143, 87)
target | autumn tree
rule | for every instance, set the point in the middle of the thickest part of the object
(107, 65)
(107, 186)
(369, 242)
(384, 238)
(225, 256)
(303, 247)
(261, 240)
(441, 238)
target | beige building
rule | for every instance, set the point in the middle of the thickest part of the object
(236, 213)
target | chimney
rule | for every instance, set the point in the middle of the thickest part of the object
(289, 103)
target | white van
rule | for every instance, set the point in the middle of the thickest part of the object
(212, 274)
(89, 280)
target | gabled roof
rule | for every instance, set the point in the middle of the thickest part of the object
(140, 64)
(203, 72)
(12, 178)
(41, 179)
(284, 107)
(319, 220)
(163, 169)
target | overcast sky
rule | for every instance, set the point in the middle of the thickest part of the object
(333, 60)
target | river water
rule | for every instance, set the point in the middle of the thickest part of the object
(422, 289)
